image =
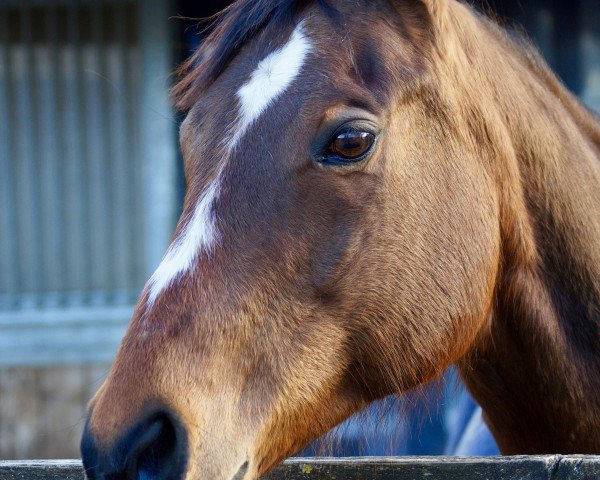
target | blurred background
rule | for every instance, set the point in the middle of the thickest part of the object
(91, 188)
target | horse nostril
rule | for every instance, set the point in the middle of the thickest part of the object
(241, 473)
(154, 449)
(157, 452)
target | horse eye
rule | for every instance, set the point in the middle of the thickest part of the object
(351, 145)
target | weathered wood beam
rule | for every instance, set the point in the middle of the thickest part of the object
(554, 467)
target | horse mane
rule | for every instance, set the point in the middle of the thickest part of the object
(518, 41)
(226, 33)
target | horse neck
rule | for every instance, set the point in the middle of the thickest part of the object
(536, 370)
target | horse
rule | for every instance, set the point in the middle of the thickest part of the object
(376, 190)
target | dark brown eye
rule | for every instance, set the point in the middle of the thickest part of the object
(350, 145)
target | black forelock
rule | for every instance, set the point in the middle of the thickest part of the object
(226, 33)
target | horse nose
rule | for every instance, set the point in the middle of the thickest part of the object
(154, 452)
(154, 449)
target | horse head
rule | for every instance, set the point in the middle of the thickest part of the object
(340, 239)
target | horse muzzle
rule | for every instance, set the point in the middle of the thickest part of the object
(153, 449)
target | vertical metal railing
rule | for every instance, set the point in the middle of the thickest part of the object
(50, 212)
(97, 154)
(68, 114)
(120, 155)
(87, 152)
(8, 266)
(24, 124)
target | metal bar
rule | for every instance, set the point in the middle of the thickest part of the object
(136, 193)
(24, 157)
(96, 155)
(8, 252)
(576, 467)
(120, 180)
(157, 140)
(51, 245)
(89, 316)
(73, 144)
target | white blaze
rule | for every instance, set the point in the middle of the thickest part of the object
(200, 232)
(273, 75)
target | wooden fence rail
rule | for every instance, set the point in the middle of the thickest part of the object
(554, 467)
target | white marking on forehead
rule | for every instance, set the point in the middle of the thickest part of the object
(199, 233)
(273, 75)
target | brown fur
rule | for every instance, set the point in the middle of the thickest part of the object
(470, 236)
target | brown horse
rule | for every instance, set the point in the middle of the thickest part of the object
(375, 190)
